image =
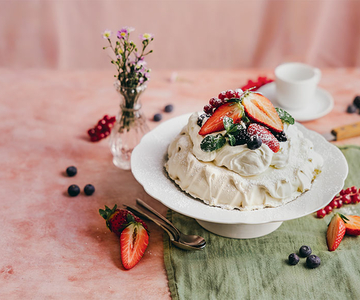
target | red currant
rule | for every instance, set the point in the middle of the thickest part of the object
(348, 191)
(346, 199)
(333, 204)
(91, 132)
(106, 133)
(222, 95)
(215, 102)
(342, 192)
(112, 120)
(102, 122)
(94, 138)
(340, 203)
(353, 189)
(328, 209)
(321, 213)
(106, 118)
(355, 198)
(208, 109)
(229, 94)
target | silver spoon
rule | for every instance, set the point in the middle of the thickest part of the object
(191, 240)
(174, 239)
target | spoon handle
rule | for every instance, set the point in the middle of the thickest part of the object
(157, 222)
(149, 208)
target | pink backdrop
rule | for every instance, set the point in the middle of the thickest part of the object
(188, 34)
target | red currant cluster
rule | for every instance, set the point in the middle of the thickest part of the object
(256, 84)
(348, 196)
(102, 128)
(215, 102)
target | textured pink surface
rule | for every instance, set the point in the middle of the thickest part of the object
(54, 246)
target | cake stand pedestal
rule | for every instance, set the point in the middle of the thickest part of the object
(240, 231)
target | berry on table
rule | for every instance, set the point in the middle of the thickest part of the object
(293, 259)
(71, 171)
(313, 261)
(169, 108)
(356, 101)
(157, 117)
(101, 129)
(305, 251)
(254, 142)
(321, 213)
(351, 109)
(73, 190)
(328, 209)
(89, 189)
(346, 198)
(355, 198)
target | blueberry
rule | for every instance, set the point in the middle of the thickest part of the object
(356, 101)
(169, 108)
(305, 251)
(293, 259)
(89, 189)
(157, 117)
(73, 190)
(313, 261)
(351, 109)
(254, 142)
(71, 171)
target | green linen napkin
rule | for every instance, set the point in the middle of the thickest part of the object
(258, 269)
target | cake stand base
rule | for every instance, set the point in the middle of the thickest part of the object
(240, 231)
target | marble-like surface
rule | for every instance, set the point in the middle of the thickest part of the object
(53, 246)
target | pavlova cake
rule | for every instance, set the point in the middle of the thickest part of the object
(242, 153)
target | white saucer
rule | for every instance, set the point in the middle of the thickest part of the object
(321, 105)
(147, 166)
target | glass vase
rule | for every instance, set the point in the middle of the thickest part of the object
(130, 125)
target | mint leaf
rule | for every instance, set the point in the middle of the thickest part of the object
(284, 116)
(228, 123)
(212, 142)
(232, 139)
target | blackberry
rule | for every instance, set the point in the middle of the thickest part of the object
(280, 136)
(242, 137)
(201, 119)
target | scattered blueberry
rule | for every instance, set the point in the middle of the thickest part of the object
(313, 261)
(169, 108)
(305, 251)
(201, 118)
(157, 117)
(254, 142)
(71, 171)
(73, 190)
(356, 101)
(293, 259)
(351, 109)
(89, 189)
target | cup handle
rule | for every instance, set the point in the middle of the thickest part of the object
(317, 74)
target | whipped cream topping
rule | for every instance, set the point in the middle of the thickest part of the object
(238, 177)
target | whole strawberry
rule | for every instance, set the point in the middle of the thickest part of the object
(118, 219)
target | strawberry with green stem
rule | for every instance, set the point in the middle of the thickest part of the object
(336, 231)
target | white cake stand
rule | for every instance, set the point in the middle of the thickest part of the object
(147, 165)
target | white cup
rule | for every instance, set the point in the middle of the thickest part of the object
(296, 84)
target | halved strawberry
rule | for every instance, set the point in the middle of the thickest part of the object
(266, 136)
(352, 225)
(335, 232)
(117, 219)
(215, 123)
(260, 110)
(134, 240)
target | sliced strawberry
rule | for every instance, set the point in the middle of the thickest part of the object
(134, 240)
(215, 123)
(260, 110)
(335, 232)
(118, 219)
(353, 225)
(266, 136)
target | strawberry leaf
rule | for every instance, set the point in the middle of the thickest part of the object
(284, 116)
(212, 142)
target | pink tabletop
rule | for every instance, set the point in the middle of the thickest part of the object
(57, 247)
